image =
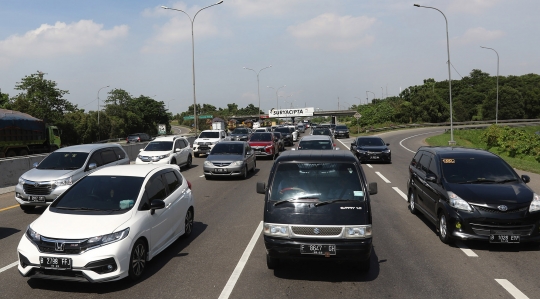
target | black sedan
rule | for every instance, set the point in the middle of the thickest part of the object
(371, 148)
(341, 131)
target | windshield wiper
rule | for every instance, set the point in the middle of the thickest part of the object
(322, 203)
(506, 181)
(80, 208)
(479, 181)
(307, 196)
(72, 167)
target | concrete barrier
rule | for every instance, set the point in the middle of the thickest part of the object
(12, 168)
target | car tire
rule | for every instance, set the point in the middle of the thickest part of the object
(188, 223)
(26, 208)
(254, 165)
(412, 202)
(196, 155)
(245, 173)
(271, 262)
(189, 162)
(137, 260)
(444, 229)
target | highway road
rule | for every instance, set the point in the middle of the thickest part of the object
(225, 256)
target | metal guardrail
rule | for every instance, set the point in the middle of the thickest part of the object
(526, 122)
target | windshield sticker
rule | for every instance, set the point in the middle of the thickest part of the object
(358, 193)
(126, 204)
(449, 161)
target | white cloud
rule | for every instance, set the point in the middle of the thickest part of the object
(333, 32)
(477, 35)
(265, 7)
(60, 38)
(471, 6)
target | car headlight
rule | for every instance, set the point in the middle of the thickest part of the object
(386, 151)
(140, 157)
(21, 181)
(107, 239)
(361, 151)
(276, 230)
(33, 235)
(164, 156)
(237, 163)
(358, 231)
(458, 203)
(63, 182)
(208, 163)
(535, 204)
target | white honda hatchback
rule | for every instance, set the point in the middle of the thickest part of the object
(108, 225)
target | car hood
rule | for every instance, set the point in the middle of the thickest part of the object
(260, 143)
(206, 139)
(154, 153)
(338, 213)
(507, 194)
(224, 158)
(70, 226)
(378, 148)
(44, 175)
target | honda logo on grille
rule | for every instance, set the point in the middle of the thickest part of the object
(502, 208)
(59, 246)
(316, 231)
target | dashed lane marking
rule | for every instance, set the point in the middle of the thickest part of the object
(9, 266)
(202, 176)
(510, 288)
(400, 193)
(401, 142)
(382, 177)
(466, 250)
(227, 290)
(369, 165)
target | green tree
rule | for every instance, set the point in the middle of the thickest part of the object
(511, 104)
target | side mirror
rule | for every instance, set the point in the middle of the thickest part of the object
(388, 144)
(35, 165)
(92, 166)
(261, 187)
(431, 178)
(141, 150)
(372, 188)
(177, 150)
(156, 205)
(525, 178)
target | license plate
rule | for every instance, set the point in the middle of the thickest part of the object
(220, 170)
(504, 239)
(374, 157)
(203, 147)
(36, 198)
(318, 249)
(55, 262)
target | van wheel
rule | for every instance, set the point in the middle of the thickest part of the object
(412, 202)
(26, 208)
(137, 260)
(271, 262)
(444, 229)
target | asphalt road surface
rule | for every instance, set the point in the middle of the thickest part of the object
(225, 256)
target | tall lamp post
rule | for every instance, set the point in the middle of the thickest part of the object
(367, 96)
(451, 142)
(277, 98)
(258, 89)
(496, 105)
(193, 56)
(98, 108)
(359, 100)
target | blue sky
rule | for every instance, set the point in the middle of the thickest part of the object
(320, 49)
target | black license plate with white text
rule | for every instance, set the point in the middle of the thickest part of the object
(36, 198)
(504, 239)
(318, 249)
(55, 262)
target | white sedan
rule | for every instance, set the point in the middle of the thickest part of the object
(108, 225)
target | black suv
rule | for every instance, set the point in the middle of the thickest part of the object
(286, 134)
(341, 131)
(317, 206)
(472, 194)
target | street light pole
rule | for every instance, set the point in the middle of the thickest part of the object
(98, 110)
(367, 96)
(496, 105)
(258, 89)
(451, 142)
(168, 102)
(360, 100)
(382, 93)
(193, 56)
(277, 98)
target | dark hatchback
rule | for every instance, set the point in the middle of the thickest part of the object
(317, 206)
(371, 148)
(472, 194)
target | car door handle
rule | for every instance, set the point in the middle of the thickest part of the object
(168, 205)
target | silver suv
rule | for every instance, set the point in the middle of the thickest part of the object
(59, 170)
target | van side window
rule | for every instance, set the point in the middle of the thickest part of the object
(416, 159)
(96, 158)
(120, 154)
(433, 167)
(108, 156)
(424, 163)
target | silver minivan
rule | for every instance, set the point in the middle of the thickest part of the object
(58, 171)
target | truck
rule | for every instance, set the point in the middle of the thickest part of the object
(22, 134)
(218, 124)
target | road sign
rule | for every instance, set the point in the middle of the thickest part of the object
(162, 129)
(357, 115)
(190, 117)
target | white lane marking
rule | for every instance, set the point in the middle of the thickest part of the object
(466, 250)
(9, 266)
(510, 288)
(343, 144)
(382, 177)
(227, 290)
(400, 193)
(202, 176)
(400, 143)
(369, 165)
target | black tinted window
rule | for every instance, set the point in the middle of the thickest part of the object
(108, 156)
(261, 137)
(227, 148)
(416, 159)
(172, 181)
(240, 131)
(156, 146)
(368, 141)
(315, 145)
(463, 170)
(341, 127)
(156, 190)
(209, 135)
(96, 158)
(119, 153)
(424, 162)
(63, 160)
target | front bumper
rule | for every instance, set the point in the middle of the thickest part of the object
(162, 161)
(374, 156)
(23, 198)
(341, 134)
(202, 149)
(480, 224)
(353, 250)
(85, 266)
(223, 171)
(262, 151)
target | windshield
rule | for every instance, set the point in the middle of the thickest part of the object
(341, 127)
(316, 182)
(283, 130)
(228, 149)
(240, 131)
(101, 193)
(63, 160)
(209, 135)
(261, 137)
(370, 142)
(156, 146)
(322, 132)
(476, 170)
(315, 145)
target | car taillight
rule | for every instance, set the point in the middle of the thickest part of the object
(138, 139)
(189, 185)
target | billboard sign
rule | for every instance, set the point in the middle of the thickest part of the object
(291, 112)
